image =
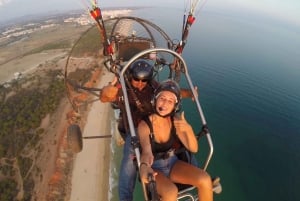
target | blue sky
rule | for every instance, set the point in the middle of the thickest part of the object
(287, 10)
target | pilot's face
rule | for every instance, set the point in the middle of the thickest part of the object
(139, 84)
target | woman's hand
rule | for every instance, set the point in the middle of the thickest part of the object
(182, 126)
(145, 170)
(185, 133)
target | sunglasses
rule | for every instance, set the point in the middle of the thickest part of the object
(139, 80)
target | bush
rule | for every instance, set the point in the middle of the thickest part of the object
(8, 190)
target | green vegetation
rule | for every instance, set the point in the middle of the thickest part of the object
(8, 190)
(24, 163)
(89, 44)
(80, 76)
(25, 104)
(64, 44)
(21, 115)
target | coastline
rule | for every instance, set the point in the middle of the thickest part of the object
(90, 176)
(91, 169)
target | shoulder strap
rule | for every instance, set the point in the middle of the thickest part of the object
(134, 96)
(173, 129)
(148, 122)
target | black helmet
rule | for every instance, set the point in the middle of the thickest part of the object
(172, 86)
(141, 70)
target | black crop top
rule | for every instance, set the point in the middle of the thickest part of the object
(161, 147)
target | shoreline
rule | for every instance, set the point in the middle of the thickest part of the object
(91, 180)
(90, 175)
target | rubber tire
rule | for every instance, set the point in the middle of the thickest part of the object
(74, 138)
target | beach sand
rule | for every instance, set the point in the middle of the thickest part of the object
(90, 177)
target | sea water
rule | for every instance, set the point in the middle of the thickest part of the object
(248, 75)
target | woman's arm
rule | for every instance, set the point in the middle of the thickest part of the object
(143, 132)
(146, 155)
(185, 133)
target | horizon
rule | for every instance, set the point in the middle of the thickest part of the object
(286, 11)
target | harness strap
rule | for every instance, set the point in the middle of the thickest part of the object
(151, 135)
(134, 96)
(121, 104)
(166, 154)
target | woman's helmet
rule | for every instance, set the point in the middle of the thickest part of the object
(172, 86)
(141, 70)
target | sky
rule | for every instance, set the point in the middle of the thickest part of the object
(287, 10)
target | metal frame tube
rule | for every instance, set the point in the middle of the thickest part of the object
(127, 105)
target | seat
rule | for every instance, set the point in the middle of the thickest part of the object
(127, 49)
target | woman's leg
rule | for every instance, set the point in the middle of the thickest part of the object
(166, 188)
(185, 173)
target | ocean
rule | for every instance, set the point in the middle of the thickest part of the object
(247, 70)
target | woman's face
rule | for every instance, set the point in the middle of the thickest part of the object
(165, 102)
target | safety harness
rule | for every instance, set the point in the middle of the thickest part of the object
(123, 125)
(177, 147)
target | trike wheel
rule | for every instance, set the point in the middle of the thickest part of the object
(74, 137)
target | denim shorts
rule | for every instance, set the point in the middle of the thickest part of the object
(165, 165)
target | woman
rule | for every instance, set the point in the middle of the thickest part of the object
(158, 133)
